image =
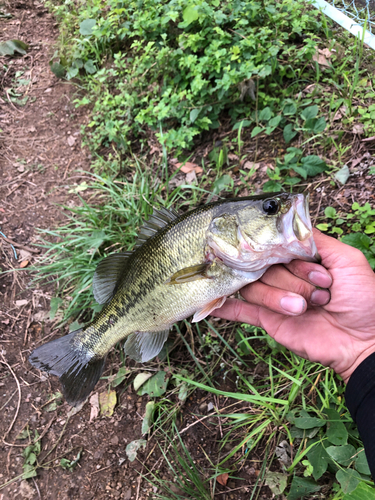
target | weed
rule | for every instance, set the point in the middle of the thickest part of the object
(361, 223)
(182, 66)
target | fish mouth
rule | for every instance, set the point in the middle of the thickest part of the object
(300, 235)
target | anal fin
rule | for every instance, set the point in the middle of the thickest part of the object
(208, 308)
(143, 346)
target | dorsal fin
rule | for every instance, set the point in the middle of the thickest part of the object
(157, 221)
(107, 275)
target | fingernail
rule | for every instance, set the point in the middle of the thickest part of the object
(320, 279)
(294, 305)
(320, 297)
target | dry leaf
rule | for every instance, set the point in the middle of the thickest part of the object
(322, 56)
(250, 164)
(107, 403)
(189, 167)
(358, 128)
(23, 255)
(232, 156)
(223, 479)
(94, 402)
(40, 316)
(325, 52)
(24, 263)
(71, 140)
(340, 113)
(191, 177)
(22, 302)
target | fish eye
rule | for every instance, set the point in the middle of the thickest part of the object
(271, 207)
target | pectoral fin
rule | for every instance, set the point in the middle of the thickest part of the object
(192, 273)
(143, 346)
(208, 308)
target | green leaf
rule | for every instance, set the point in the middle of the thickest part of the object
(290, 109)
(133, 447)
(71, 72)
(289, 132)
(183, 392)
(58, 70)
(29, 471)
(330, 212)
(319, 459)
(265, 114)
(274, 122)
(358, 240)
(75, 325)
(361, 463)
(140, 379)
(276, 481)
(256, 131)
(194, 114)
(120, 376)
(342, 175)
(271, 187)
(10, 47)
(343, 455)
(86, 27)
(320, 125)
(336, 431)
(54, 305)
(223, 182)
(90, 66)
(348, 479)
(244, 123)
(307, 422)
(301, 171)
(155, 386)
(301, 487)
(310, 112)
(323, 227)
(24, 434)
(147, 419)
(190, 14)
(313, 165)
(362, 492)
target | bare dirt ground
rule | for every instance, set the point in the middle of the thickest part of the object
(41, 153)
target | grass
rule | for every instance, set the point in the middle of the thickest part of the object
(262, 395)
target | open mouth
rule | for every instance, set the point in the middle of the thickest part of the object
(302, 227)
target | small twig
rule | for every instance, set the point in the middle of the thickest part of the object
(320, 201)
(13, 106)
(100, 470)
(18, 245)
(19, 399)
(14, 189)
(139, 480)
(18, 31)
(66, 170)
(37, 489)
(234, 489)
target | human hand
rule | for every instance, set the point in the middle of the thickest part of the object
(335, 328)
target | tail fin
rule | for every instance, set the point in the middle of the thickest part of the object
(77, 369)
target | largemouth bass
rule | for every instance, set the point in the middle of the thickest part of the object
(181, 266)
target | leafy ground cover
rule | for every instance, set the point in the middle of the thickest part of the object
(188, 102)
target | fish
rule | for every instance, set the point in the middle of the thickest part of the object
(181, 266)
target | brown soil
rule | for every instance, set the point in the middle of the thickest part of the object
(40, 160)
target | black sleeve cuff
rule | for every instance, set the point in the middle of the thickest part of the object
(360, 400)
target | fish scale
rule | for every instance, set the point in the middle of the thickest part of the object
(182, 266)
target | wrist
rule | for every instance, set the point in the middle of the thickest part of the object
(346, 374)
